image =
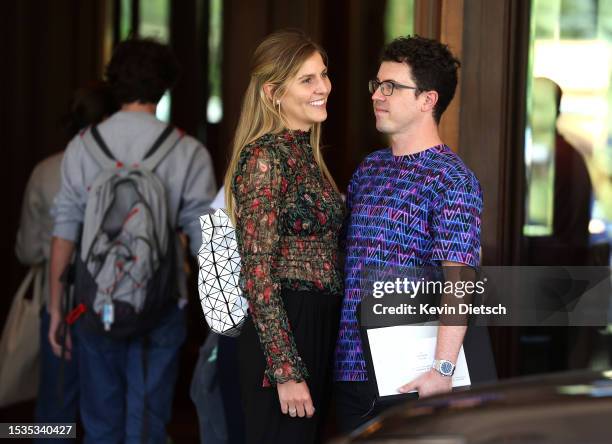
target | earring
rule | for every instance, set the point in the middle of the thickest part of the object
(278, 102)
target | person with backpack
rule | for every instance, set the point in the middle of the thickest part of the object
(128, 185)
(58, 386)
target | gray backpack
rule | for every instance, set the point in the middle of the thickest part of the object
(125, 270)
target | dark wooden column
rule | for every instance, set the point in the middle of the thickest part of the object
(189, 41)
(492, 124)
(495, 51)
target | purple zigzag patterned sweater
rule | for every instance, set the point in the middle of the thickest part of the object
(405, 211)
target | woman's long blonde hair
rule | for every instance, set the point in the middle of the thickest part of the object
(276, 61)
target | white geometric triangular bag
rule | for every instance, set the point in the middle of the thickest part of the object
(224, 307)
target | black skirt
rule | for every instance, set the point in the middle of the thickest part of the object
(314, 317)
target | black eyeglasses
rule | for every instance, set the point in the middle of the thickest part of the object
(387, 87)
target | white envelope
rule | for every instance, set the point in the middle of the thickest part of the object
(402, 353)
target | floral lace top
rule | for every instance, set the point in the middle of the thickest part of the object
(288, 221)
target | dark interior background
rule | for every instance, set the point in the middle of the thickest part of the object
(53, 47)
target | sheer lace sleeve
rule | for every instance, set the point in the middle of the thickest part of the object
(257, 189)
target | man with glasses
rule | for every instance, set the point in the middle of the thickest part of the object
(414, 204)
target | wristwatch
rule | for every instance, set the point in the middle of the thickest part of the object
(444, 367)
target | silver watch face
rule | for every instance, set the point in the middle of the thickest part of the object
(446, 368)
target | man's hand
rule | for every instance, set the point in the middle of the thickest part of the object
(61, 251)
(428, 384)
(56, 331)
(295, 399)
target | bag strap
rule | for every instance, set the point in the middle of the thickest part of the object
(25, 284)
(96, 146)
(166, 141)
(37, 297)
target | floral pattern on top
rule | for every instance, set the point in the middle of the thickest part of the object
(288, 220)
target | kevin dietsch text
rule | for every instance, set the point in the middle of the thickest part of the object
(445, 309)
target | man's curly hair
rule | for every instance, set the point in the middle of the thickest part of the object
(141, 70)
(434, 68)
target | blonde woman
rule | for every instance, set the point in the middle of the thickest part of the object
(288, 215)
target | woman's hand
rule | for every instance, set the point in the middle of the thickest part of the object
(295, 399)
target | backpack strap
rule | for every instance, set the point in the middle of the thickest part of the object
(96, 146)
(166, 141)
